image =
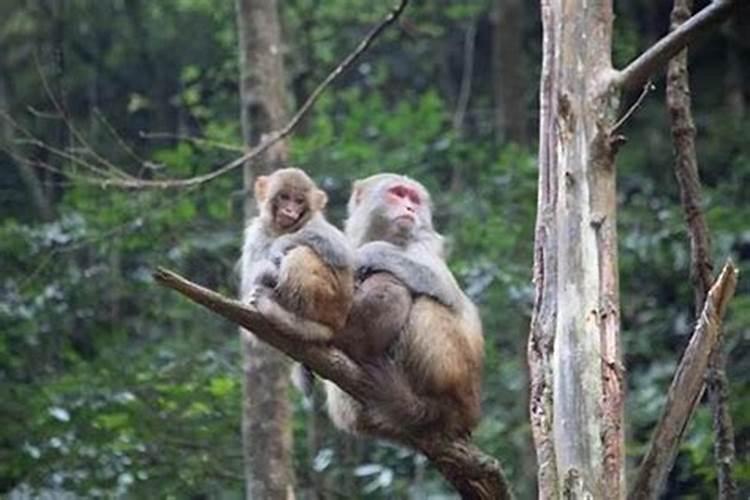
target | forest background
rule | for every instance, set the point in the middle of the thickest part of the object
(112, 385)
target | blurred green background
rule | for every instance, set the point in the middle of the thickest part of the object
(113, 386)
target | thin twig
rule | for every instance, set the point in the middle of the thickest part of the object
(117, 137)
(268, 140)
(198, 141)
(648, 87)
(77, 135)
(33, 140)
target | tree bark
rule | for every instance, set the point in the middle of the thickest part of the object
(577, 385)
(701, 268)
(266, 427)
(574, 350)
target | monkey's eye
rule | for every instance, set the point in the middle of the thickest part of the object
(405, 192)
(284, 196)
(299, 201)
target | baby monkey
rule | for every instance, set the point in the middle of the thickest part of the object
(296, 268)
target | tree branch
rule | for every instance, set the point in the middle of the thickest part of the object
(701, 268)
(473, 473)
(272, 137)
(328, 361)
(685, 391)
(657, 56)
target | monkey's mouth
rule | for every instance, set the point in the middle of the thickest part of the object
(405, 218)
(288, 219)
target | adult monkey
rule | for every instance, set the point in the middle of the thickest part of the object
(410, 322)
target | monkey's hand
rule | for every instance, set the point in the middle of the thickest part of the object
(265, 273)
(262, 298)
(325, 241)
(421, 274)
(281, 247)
(259, 296)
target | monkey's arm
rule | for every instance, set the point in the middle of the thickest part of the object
(422, 274)
(254, 266)
(261, 298)
(264, 272)
(324, 239)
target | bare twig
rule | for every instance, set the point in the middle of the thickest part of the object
(75, 133)
(648, 87)
(198, 141)
(117, 137)
(685, 391)
(474, 474)
(268, 140)
(657, 56)
(29, 138)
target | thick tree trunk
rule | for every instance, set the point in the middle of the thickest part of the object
(574, 353)
(266, 428)
(574, 350)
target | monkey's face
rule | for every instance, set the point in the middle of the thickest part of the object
(403, 206)
(389, 207)
(287, 199)
(402, 209)
(289, 208)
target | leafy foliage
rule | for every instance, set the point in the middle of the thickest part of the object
(111, 385)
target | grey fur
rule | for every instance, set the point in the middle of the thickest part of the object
(411, 269)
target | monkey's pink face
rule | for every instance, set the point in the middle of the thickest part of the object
(405, 205)
(289, 208)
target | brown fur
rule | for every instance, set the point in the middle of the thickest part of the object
(313, 289)
(291, 247)
(428, 351)
(379, 314)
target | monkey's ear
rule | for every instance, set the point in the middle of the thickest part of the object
(357, 193)
(319, 199)
(261, 188)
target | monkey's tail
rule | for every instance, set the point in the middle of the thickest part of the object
(303, 379)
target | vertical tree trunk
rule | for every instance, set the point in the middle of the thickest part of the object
(686, 171)
(734, 97)
(266, 428)
(508, 64)
(574, 349)
(37, 195)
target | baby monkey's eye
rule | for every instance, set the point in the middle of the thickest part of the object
(284, 196)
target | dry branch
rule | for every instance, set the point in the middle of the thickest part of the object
(657, 56)
(473, 473)
(685, 391)
(701, 268)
